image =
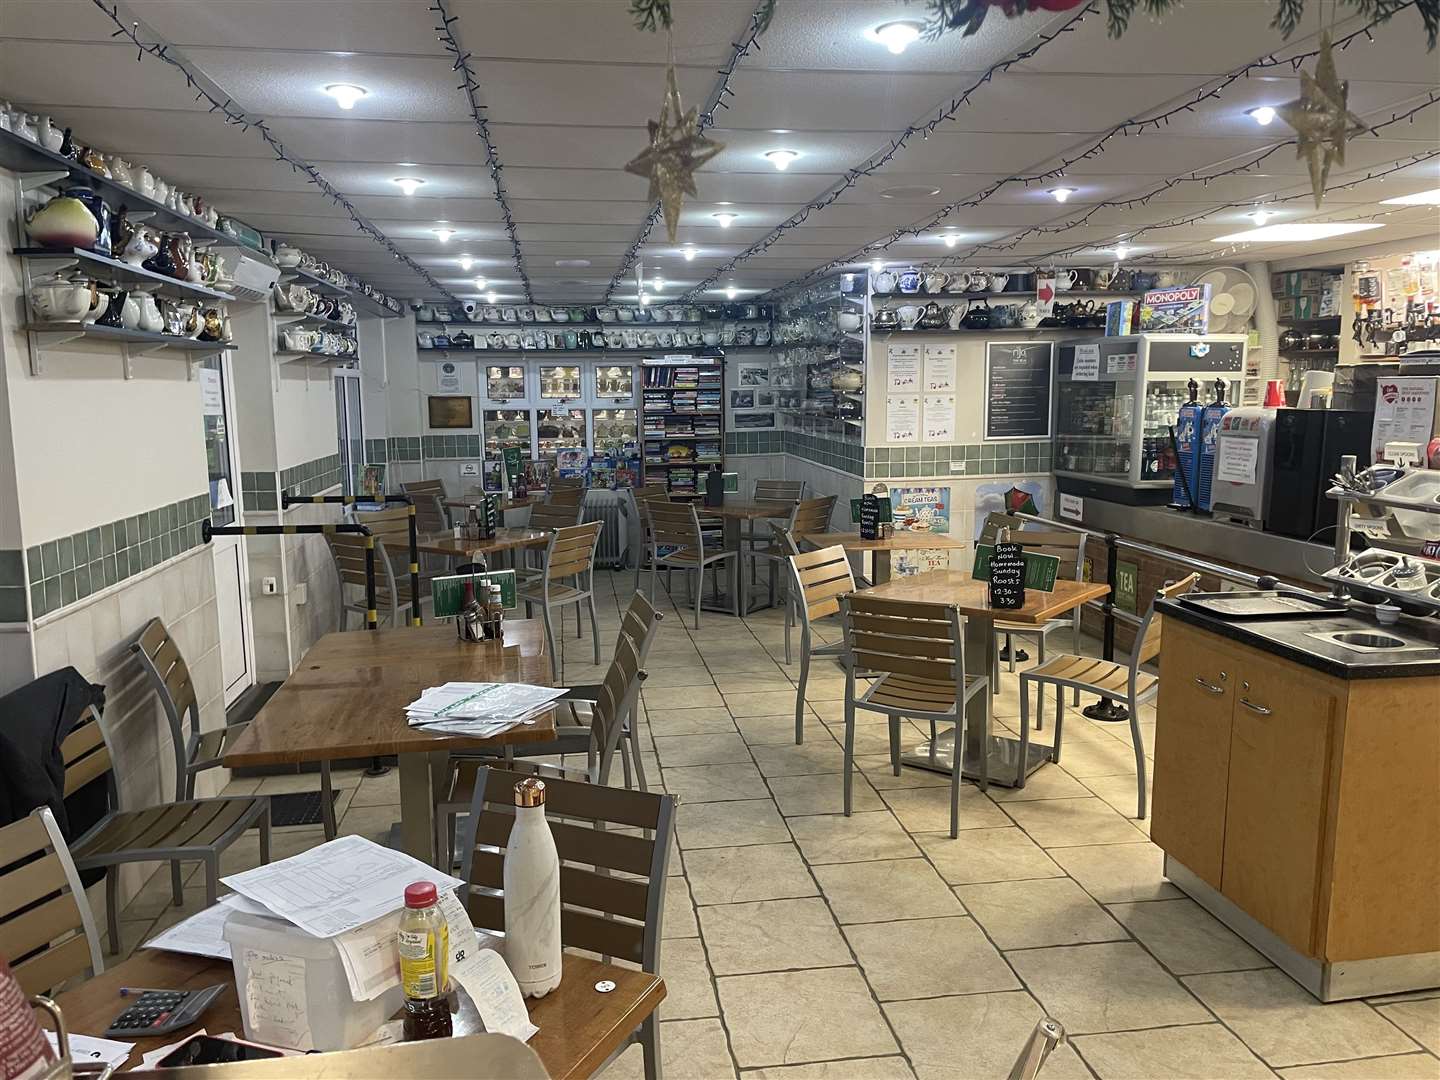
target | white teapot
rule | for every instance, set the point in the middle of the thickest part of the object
(58, 299)
(50, 136)
(150, 317)
(1030, 315)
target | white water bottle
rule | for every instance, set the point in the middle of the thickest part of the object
(532, 894)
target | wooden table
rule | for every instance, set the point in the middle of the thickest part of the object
(733, 512)
(505, 539)
(348, 695)
(902, 540)
(507, 502)
(993, 758)
(579, 1027)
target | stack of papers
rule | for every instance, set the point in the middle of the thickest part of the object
(479, 709)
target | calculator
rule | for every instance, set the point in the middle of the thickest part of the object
(159, 1012)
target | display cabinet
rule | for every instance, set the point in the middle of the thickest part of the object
(819, 370)
(614, 382)
(504, 429)
(559, 429)
(560, 382)
(505, 382)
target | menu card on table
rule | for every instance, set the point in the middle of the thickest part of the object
(1007, 577)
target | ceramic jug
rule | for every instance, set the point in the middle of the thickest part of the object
(65, 221)
(909, 281)
(1030, 315)
(150, 318)
(114, 314)
(955, 314)
(48, 135)
(909, 315)
(936, 281)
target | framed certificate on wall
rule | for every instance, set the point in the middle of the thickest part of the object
(451, 411)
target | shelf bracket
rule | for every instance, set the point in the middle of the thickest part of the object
(41, 340)
(140, 215)
(64, 261)
(31, 180)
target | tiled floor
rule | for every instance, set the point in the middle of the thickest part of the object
(801, 944)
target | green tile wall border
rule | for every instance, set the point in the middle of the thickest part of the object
(980, 459)
(440, 447)
(845, 455)
(258, 491)
(68, 569)
(311, 477)
(402, 448)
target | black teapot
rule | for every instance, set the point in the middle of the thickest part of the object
(978, 317)
(933, 317)
(462, 340)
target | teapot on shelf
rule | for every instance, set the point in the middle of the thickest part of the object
(140, 248)
(56, 298)
(977, 317)
(884, 282)
(933, 317)
(65, 221)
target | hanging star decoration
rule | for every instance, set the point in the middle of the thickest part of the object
(1322, 118)
(676, 150)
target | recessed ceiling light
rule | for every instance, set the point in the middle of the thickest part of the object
(409, 184)
(346, 94)
(1298, 230)
(781, 159)
(480, 282)
(491, 296)
(689, 253)
(1060, 194)
(919, 191)
(466, 262)
(951, 239)
(1420, 198)
(572, 262)
(731, 292)
(1262, 115)
(897, 36)
(1259, 217)
(725, 220)
(1122, 252)
(408, 164)
(443, 235)
(644, 299)
(658, 283)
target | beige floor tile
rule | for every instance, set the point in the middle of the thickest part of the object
(716, 783)
(1033, 914)
(928, 957)
(308, 781)
(742, 874)
(877, 1068)
(1073, 823)
(1119, 792)
(371, 822)
(822, 793)
(729, 824)
(668, 674)
(980, 855)
(834, 838)
(133, 932)
(879, 772)
(1111, 987)
(1398, 1067)
(873, 740)
(1418, 1019)
(772, 935)
(679, 917)
(678, 750)
(780, 730)
(886, 891)
(1118, 873)
(801, 1016)
(749, 682)
(378, 790)
(689, 988)
(1048, 783)
(689, 1050)
(1197, 1052)
(983, 1031)
(1280, 1021)
(244, 853)
(712, 721)
(927, 809)
(814, 756)
(760, 702)
(154, 896)
(1186, 938)
(681, 697)
(756, 661)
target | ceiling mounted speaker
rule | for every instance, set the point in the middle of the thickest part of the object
(1233, 296)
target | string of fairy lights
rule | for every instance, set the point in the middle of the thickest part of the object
(234, 115)
(470, 87)
(750, 42)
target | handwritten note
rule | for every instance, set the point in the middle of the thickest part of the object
(902, 417)
(903, 367)
(939, 368)
(939, 418)
(496, 994)
(274, 996)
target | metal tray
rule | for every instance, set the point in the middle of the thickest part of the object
(1264, 604)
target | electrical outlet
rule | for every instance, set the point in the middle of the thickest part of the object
(269, 586)
(469, 468)
(300, 594)
(957, 466)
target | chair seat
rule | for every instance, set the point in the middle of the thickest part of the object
(158, 832)
(909, 692)
(1104, 677)
(559, 593)
(211, 746)
(689, 557)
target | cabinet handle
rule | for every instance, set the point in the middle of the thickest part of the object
(1261, 709)
(1199, 681)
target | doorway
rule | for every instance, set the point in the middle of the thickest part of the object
(350, 428)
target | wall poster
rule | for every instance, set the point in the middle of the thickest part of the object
(1017, 389)
(903, 368)
(902, 418)
(921, 510)
(939, 369)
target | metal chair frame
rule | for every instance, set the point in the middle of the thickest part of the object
(570, 554)
(820, 579)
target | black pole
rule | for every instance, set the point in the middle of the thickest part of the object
(1106, 709)
(372, 622)
(414, 569)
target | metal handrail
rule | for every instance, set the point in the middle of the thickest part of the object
(287, 501)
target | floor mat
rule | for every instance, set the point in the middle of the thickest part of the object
(297, 808)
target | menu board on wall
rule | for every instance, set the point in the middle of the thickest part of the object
(1017, 389)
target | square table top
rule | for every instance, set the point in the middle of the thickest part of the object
(901, 540)
(348, 695)
(505, 539)
(746, 510)
(972, 597)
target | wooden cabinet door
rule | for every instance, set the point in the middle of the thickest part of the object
(1279, 773)
(1198, 678)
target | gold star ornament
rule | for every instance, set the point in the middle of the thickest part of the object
(676, 150)
(1322, 118)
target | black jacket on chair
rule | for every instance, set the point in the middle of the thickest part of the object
(34, 721)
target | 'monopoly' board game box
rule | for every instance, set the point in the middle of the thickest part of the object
(1184, 310)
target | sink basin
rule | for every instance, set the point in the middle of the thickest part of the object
(1368, 641)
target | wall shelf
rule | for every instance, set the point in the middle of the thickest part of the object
(134, 343)
(117, 272)
(288, 356)
(292, 318)
(718, 351)
(312, 281)
(1018, 295)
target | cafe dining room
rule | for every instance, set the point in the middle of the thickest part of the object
(729, 539)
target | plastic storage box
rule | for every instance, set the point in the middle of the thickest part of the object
(293, 991)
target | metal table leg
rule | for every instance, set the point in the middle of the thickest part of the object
(879, 567)
(422, 780)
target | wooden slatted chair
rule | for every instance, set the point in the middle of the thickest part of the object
(791, 491)
(675, 528)
(187, 830)
(918, 650)
(809, 516)
(554, 515)
(602, 911)
(169, 675)
(393, 601)
(567, 576)
(1111, 680)
(429, 498)
(820, 578)
(46, 930)
(640, 499)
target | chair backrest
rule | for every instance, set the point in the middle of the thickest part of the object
(779, 490)
(618, 691)
(1066, 545)
(554, 515)
(572, 550)
(821, 577)
(86, 755)
(908, 638)
(390, 526)
(1147, 638)
(348, 551)
(813, 515)
(994, 522)
(674, 524)
(168, 674)
(47, 932)
(429, 497)
(641, 624)
(566, 497)
(601, 912)
(640, 499)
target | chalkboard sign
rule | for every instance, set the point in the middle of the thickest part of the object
(856, 504)
(1007, 577)
(873, 511)
(1041, 570)
(1017, 389)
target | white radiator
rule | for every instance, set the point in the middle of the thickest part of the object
(610, 507)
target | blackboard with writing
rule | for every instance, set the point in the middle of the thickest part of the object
(1007, 577)
(873, 511)
(1017, 389)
